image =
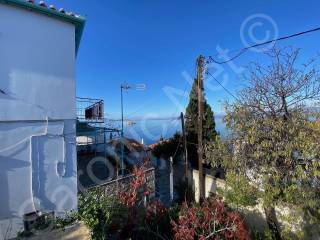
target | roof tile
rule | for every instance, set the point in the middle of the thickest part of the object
(62, 10)
(42, 4)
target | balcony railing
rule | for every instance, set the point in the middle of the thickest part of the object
(90, 110)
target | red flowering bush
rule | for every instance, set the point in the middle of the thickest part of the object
(210, 220)
(142, 218)
(136, 186)
(155, 211)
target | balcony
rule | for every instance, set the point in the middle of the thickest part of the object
(90, 110)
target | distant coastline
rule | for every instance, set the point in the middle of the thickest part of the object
(151, 131)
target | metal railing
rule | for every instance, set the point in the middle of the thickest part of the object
(122, 184)
(90, 110)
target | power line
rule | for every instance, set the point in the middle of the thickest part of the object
(173, 118)
(152, 100)
(191, 85)
(156, 127)
(141, 107)
(243, 50)
(185, 91)
(178, 146)
(211, 59)
(230, 93)
(196, 144)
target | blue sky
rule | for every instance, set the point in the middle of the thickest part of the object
(157, 42)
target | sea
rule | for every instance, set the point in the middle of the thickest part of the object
(151, 130)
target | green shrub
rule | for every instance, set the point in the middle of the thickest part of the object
(238, 191)
(102, 215)
(69, 218)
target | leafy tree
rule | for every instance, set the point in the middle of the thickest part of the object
(169, 148)
(208, 123)
(275, 137)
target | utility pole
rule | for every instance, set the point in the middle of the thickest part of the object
(125, 87)
(184, 146)
(171, 179)
(200, 62)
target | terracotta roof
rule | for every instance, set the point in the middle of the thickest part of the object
(51, 11)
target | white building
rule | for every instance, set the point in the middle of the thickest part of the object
(38, 167)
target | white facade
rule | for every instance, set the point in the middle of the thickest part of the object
(38, 169)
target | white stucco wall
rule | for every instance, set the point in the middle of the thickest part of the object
(37, 66)
(38, 168)
(210, 184)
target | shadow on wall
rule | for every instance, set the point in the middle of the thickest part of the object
(31, 169)
(9, 164)
(54, 169)
(39, 178)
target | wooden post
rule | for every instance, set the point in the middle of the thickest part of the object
(200, 62)
(171, 179)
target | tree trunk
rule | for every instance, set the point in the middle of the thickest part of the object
(272, 222)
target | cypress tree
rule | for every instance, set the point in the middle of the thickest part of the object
(208, 123)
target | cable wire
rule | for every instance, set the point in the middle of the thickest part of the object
(243, 50)
(178, 146)
(230, 93)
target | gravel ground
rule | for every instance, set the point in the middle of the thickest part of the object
(77, 231)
